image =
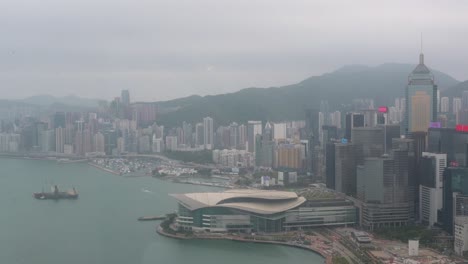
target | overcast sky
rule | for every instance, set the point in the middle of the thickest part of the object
(167, 49)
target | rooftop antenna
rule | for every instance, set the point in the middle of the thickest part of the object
(421, 43)
(421, 56)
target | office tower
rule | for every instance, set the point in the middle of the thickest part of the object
(407, 145)
(254, 128)
(330, 165)
(451, 141)
(325, 110)
(268, 132)
(421, 99)
(78, 144)
(279, 131)
(336, 119)
(382, 187)
(47, 140)
(455, 196)
(347, 157)
(110, 142)
(199, 134)
(444, 105)
(125, 97)
(99, 143)
(456, 105)
(431, 186)
(371, 139)
(87, 141)
(187, 133)
(59, 139)
(312, 126)
(288, 156)
(59, 120)
(233, 135)
(370, 117)
(329, 133)
(242, 137)
(264, 155)
(208, 133)
(353, 120)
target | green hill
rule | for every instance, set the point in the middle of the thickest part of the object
(383, 83)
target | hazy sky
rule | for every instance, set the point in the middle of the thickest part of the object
(167, 49)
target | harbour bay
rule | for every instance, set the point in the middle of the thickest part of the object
(101, 226)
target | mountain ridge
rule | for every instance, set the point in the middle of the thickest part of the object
(383, 83)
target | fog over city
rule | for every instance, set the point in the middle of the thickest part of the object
(162, 50)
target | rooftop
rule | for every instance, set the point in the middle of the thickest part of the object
(255, 201)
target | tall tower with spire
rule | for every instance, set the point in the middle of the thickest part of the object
(421, 98)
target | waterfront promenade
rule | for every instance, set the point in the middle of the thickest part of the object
(316, 247)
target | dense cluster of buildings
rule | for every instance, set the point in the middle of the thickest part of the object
(399, 165)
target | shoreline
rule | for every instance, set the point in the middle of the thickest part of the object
(161, 232)
(104, 169)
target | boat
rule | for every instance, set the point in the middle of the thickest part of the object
(55, 194)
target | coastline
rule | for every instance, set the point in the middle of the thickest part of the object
(104, 168)
(161, 232)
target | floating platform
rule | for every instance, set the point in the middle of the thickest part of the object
(56, 194)
(151, 218)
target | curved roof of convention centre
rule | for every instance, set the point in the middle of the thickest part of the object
(254, 201)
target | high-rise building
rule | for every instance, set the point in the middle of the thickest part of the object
(431, 186)
(233, 135)
(455, 200)
(59, 120)
(242, 137)
(59, 139)
(208, 140)
(199, 134)
(421, 99)
(99, 143)
(125, 97)
(347, 157)
(456, 105)
(279, 131)
(353, 120)
(371, 139)
(450, 141)
(254, 128)
(382, 187)
(444, 105)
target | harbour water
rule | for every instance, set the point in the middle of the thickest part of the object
(101, 226)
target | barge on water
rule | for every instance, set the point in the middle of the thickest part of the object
(151, 218)
(56, 194)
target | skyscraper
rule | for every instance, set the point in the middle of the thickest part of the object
(208, 132)
(353, 120)
(253, 128)
(444, 105)
(421, 99)
(456, 105)
(125, 96)
(199, 135)
(431, 186)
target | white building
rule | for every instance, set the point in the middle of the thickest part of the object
(456, 105)
(431, 197)
(279, 131)
(208, 132)
(460, 232)
(444, 105)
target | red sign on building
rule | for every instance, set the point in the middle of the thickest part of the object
(461, 128)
